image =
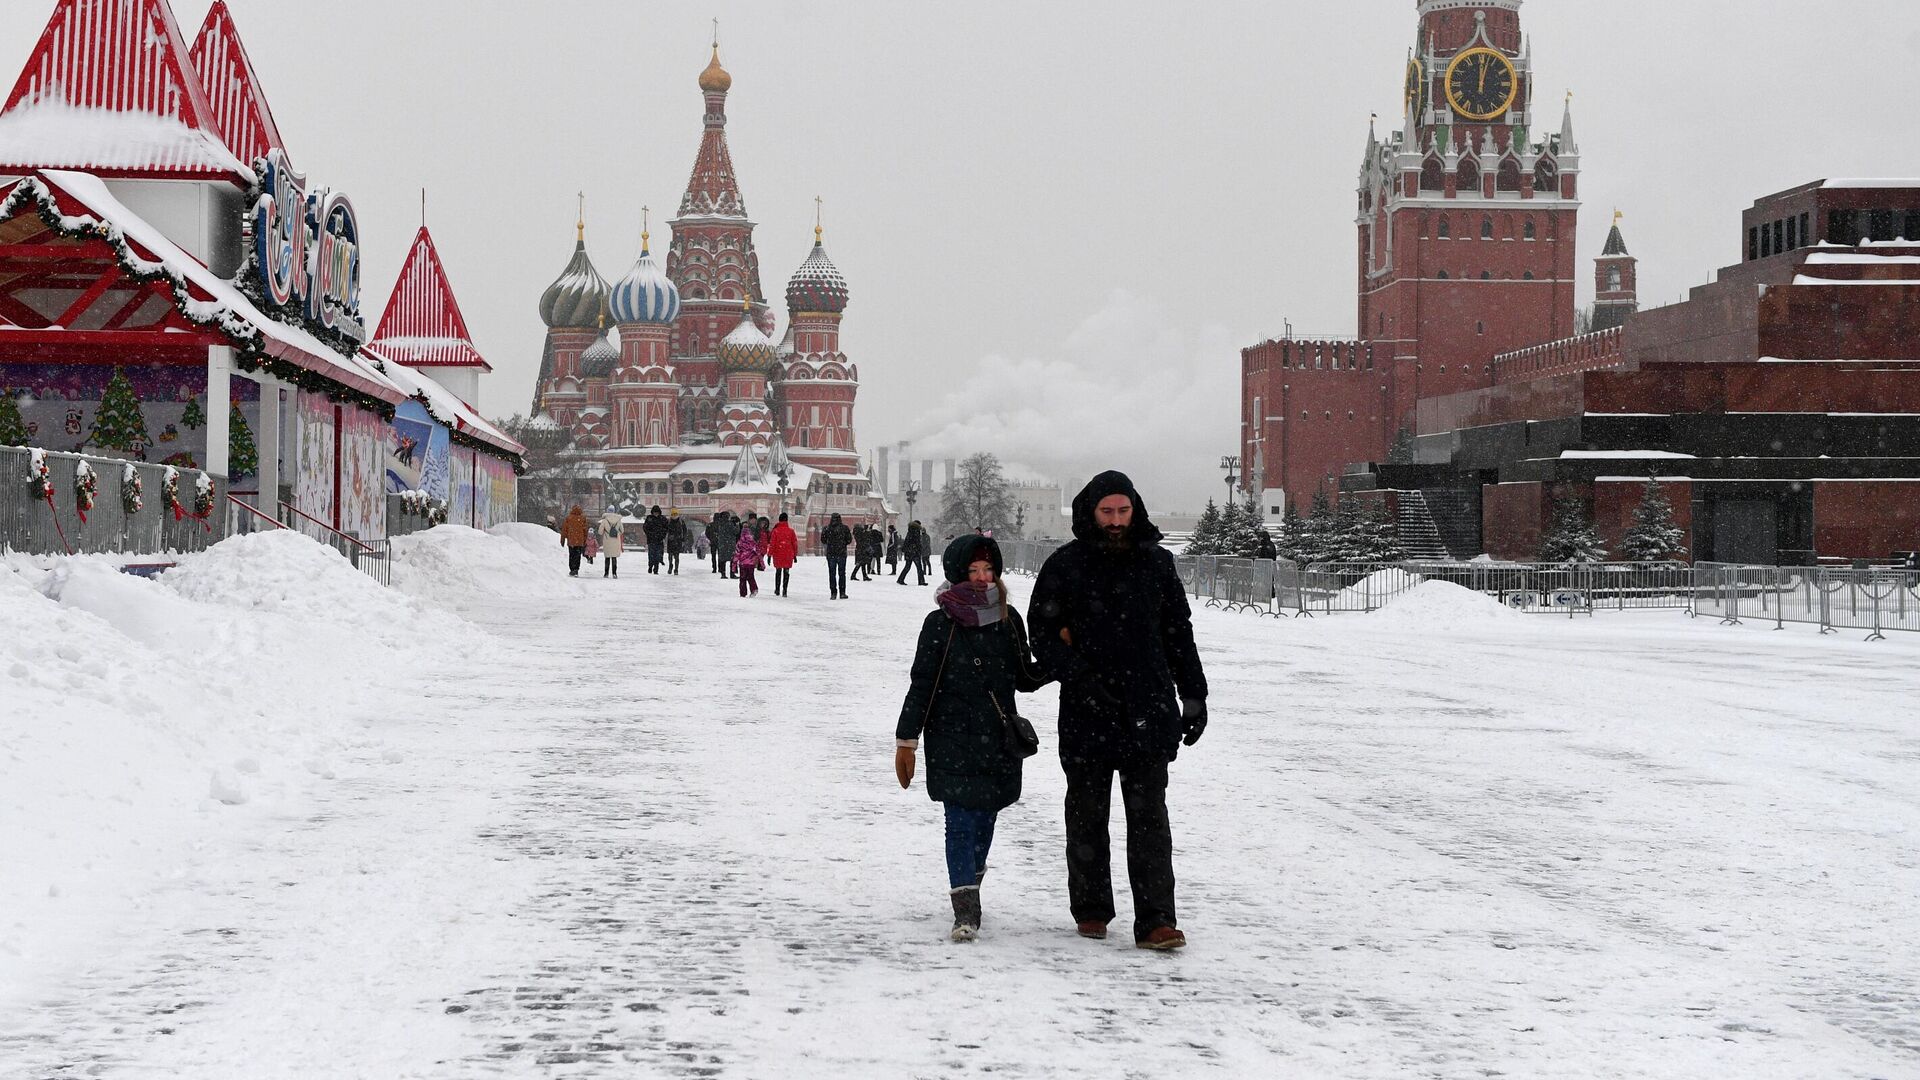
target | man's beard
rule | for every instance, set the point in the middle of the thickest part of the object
(1115, 536)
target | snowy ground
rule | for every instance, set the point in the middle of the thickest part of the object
(647, 828)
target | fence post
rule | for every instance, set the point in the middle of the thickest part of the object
(1876, 635)
(1779, 600)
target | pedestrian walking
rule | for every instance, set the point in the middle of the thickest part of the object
(676, 540)
(746, 556)
(893, 548)
(655, 530)
(728, 536)
(709, 538)
(1110, 621)
(702, 545)
(573, 537)
(861, 547)
(1266, 550)
(783, 547)
(971, 659)
(912, 551)
(762, 533)
(833, 543)
(611, 542)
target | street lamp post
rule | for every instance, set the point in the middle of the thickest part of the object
(1230, 462)
(783, 473)
(912, 491)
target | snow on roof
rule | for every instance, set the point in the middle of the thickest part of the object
(111, 87)
(287, 342)
(422, 325)
(444, 404)
(1807, 279)
(1837, 258)
(54, 134)
(1622, 454)
(1871, 182)
(240, 110)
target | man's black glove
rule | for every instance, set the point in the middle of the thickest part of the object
(1193, 719)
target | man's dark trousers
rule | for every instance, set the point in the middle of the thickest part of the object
(1143, 792)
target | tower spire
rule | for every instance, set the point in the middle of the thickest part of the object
(1566, 127)
(817, 201)
(580, 222)
(644, 233)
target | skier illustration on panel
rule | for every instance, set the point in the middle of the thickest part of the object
(972, 657)
(1110, 621)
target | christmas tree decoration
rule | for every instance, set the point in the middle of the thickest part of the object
(195, 417)
(119, 425)
(243, 459)
(86, 489)
(13, 426)
(131, 500)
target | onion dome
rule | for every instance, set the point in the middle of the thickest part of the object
(817, 285)
(746, 348)
(600, 358)
(578, 296)
(646, 294)
(715, 79)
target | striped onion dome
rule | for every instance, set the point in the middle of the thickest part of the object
(645, 295)
(746, 348)
(817, 285)
(578, 296)
(600, 358)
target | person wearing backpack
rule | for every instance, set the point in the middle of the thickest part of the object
(971, 659)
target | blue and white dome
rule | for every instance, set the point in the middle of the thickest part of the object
(645, 295)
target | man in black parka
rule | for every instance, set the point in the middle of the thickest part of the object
(655, 529)
(1110, 620)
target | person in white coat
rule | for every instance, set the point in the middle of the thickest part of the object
(610, 525)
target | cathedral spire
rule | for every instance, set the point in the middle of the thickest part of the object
(1567, 145)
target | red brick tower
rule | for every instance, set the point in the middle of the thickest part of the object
(814, 397)
(711, 260)
(573, 308)
(1615, 289)
(1466, 223)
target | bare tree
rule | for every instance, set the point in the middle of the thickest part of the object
(554, 474)
(979, 498)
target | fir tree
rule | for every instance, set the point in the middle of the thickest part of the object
(1378, 539)
(1287, 541)
(1570, 537)
(1313, 538)
(1653, 537)
(1206, 532)
(119, 424)
(1239, 536)
(243, 459)
(1401, 452)
(13, 426)
(194, 418)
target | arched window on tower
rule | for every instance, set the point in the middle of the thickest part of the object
(1545, 179)
(1469, 176)
(1509, 176)
(1433, 175)
(1528, 276)
(1613, 279)
(1486, 228)
(704, 488)
(1486, 275)
(1527, 231)
(686, 487)
(1446, 230)
(1443, 275)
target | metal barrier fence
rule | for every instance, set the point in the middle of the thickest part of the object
(30, 525)
(1875, 599)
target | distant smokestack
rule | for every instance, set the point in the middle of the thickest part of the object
(949, 464)
(926, 476)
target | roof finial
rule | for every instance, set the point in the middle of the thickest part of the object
(423, 208)
(643, 231)
(716, 36)
(1617, 215)
(580, 223)
(817, 201)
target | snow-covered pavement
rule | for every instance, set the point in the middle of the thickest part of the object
(647, 828)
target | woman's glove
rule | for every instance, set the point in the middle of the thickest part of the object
(903, 764)
(1193, 719)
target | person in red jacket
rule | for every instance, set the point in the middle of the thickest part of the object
(783, 547)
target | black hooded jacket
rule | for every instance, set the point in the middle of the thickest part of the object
(655, 528)
(1132, 657)
(835, 538)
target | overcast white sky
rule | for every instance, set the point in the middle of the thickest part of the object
(1109, 198)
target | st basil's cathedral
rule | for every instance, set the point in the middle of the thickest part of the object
(671, 384)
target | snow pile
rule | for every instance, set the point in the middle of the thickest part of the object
(1443, 605)
(1375, 589)
(539, 539)
(449, 564)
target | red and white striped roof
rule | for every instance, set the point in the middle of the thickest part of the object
(111, 89)
(422, 326)
(240, 111)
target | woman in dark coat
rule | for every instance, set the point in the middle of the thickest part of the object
(971, 659)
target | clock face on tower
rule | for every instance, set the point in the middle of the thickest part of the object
(1416, 98)
(1481, 84)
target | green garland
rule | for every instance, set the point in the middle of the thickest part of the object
(250, 354)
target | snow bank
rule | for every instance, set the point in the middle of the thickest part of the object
(1376, 588)
(144, 717)
(1443, 605)
(451, 564)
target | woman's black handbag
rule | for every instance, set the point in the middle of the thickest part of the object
(1021, 740)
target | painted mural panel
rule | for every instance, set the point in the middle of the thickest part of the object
(461, 512)
(62, 406)
(417, 452)
(363, 492)
(314, 472)
(496, 492)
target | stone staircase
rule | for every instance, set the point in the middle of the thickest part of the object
(1419, 538)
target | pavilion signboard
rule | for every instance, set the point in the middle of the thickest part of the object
(305, 251)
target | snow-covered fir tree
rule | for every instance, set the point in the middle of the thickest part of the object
(1375, 539)
(1240, 530)
(1312, 538)
(1653, 536)
(1206, 532)
(119, 424)
(1570, 537)
(13, 426)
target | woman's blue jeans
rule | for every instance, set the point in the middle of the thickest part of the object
(969, 835)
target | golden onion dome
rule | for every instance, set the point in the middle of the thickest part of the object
(715, 79)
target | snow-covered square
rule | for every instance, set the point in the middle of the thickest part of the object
(266, 818)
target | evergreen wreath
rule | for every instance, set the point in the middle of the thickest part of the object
(39, 478)
(131, 501)
(86, 489)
